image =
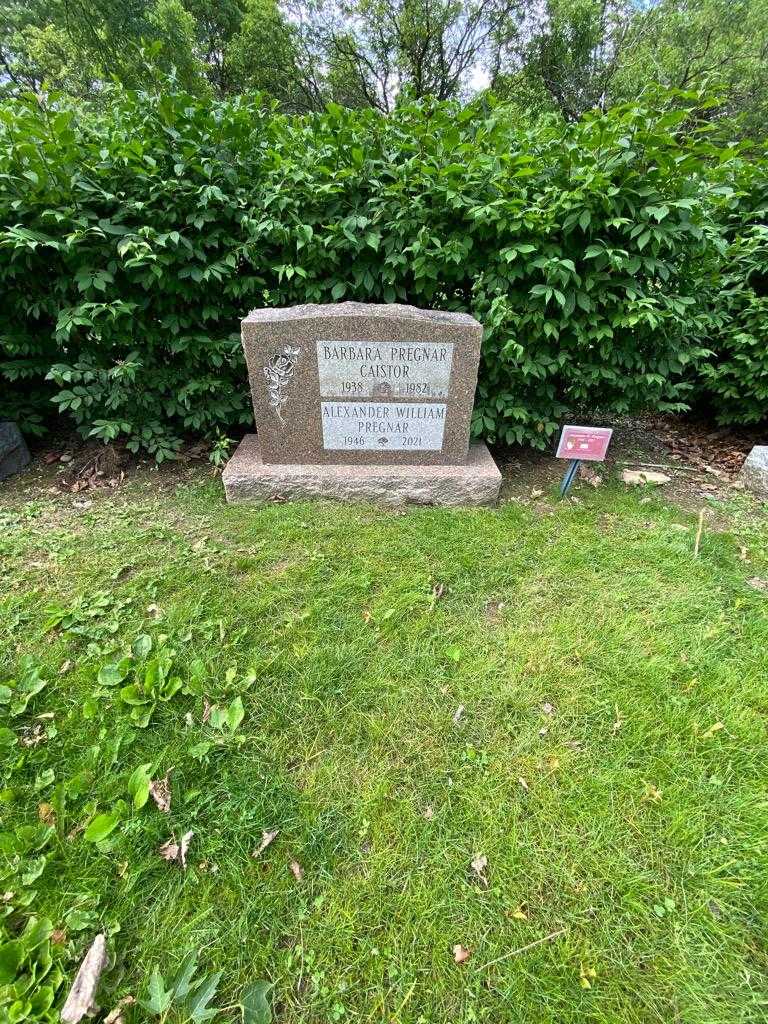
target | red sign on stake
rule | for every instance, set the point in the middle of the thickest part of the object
(587, 443)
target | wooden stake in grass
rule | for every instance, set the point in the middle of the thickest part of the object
(523, 949)
(81, 999)
(699, 532)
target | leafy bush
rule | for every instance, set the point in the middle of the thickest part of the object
(136, 238)
(735, 381)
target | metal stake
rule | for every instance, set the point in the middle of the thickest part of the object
(570, 476)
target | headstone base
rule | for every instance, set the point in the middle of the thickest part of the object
(477, 482)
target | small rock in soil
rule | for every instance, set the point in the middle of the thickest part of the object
(638, 477)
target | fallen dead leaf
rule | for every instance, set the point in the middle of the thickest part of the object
(266, 839)
(437, 592)
(536, 492)
(589, 475)
(523, 784)
(177, 852)
(757, 584)
(46, 814)
(428, 812)
(710, 732)
(366, 615)
(479, 863)
(457, 714)
(547, 708)
(32, 735)
(74, 832)
(116, 1016)
(296, 870)
(586, 976)
(58, 936)
(80, 1001)
(65, 667)
(619, 721)
(207, 708)
(651, 794)
(461, 954)
(160, 791)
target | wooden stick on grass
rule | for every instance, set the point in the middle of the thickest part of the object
(698, 534)
(523, 949)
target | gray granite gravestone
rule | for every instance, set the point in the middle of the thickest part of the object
(14, 454)
(754, 472)
(358, 401)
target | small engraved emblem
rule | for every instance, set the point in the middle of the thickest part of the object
(279, 371)
(383, 442)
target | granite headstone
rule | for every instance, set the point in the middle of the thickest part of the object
(14, 454)
(754, 472)
(362, 401)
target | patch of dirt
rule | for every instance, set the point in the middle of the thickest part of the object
(82, 475)
(494, 610)
(702, 461)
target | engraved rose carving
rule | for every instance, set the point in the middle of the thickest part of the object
(279, 371)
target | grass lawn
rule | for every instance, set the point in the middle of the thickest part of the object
(584, 707)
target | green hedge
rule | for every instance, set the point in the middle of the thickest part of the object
(135, 238)
(735, 378)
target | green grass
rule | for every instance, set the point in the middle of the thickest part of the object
(637, 831)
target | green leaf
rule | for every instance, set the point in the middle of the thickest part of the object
(133, 694)
(114, 673)
(181, 983)
(12, 954)
(7, 737)
(142, 645)
(235, 714)
(254, 1004)
(140, 716)
(159, 998)
(34, 868)
(101, 826)
(197, 1002)
(138, 785)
